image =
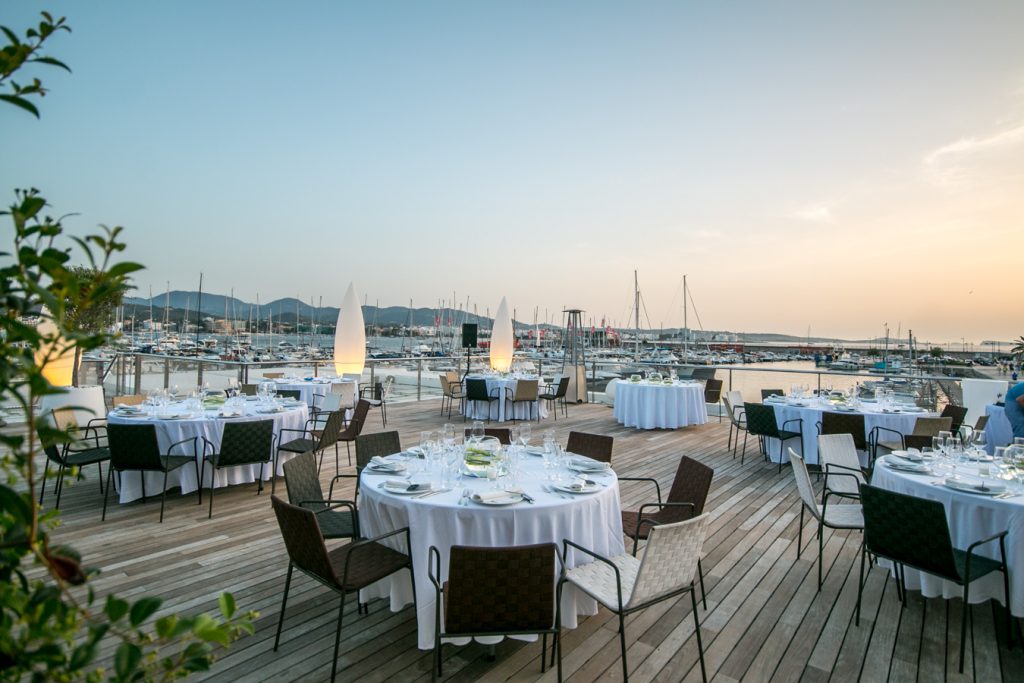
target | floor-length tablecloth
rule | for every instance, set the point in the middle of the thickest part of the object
(971, 517)
(497, 411)
(655, 405)
(998, 431)
(902, 422)
(211, 427)
(310, 389)
(593, 520)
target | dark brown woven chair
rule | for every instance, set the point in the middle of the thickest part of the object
(968, 431)
(378, 396)
(346, 569)
(243, 443)
(761, 423)
(337, 518)
(352, 430)
(920, 437)
(555, 395)
(312, 440)
(502, 434)
(249, 389)
(368, 447)
(594, 446)
(845, 423)
(294, 394)
(134, 448)
(526, 391)
(476, 392)
(957, 414)
(713, 394)
(497, 591)
(67, 455)
(685, 501)
(766, 393)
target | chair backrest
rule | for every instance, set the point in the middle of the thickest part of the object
(476, 390)
(303, 539)
(845, 423)
(734, 404)
(957, 414)
(909, 530)
(526, 390)
(502, 434)
(389, 384)
(133, 447)
(246, 442)
(332, 429)
(355, 425)
(289, 393)
(453, 377)
(64, 419)
(563, 386)
(352, 376)
(347, 391)
(982, 422)
(330, 402)
(445, 387)
(670, 559)
(803, 484)
(302, 481)
(931, 426)
(249, 389)
(273, 375)
(500, 590)
(380, 444)
(761, 420)
(87, 403)
(691, 485)
(129, 400)
(51, 448)
(765, 393)
(713, 391)
(596, 446)
(841, 450)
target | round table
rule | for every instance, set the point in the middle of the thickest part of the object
(210, 426)
(593, 520)
(310, 389)
(496, 410)
(656, 405)
(810, 410)
(971, 517)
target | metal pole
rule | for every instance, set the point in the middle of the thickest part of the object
(138, 374)
(419, 378)
(199, 374)
(167, 372)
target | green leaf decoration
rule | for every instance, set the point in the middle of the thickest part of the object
(126, 659)
(144, 609)
(227, 605)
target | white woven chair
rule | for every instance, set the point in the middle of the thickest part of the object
(348, 392)
(666, 568)
(837, 453)
(733, 401)
(834, 516)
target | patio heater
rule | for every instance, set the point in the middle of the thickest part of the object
(574, 364)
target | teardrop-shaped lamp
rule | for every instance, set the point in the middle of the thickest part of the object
(350, 335)
(502, 339)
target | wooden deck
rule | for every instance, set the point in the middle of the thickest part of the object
(765, 619)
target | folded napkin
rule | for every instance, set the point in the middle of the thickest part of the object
(403, 485)
(583, 462)
(379, 463)
(984, 486)
(167, 416)
(487, 496)
(230, 412)
(580, 484)
(125, 408)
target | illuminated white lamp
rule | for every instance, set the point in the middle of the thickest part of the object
(502, 339)
(350, 336)
(59, 370)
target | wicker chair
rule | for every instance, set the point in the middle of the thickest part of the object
(838, 453)
(832, 516)
(956, 414)
(345, 570)
(713, 394)
(761, 423)
(337, 518)
(249, 389)
(733, 401)
(129, 400)
(318, 442)
(526, 391)
(450, 391)
(967, 431)
(368, 447)
(595, 446)
(924, 429)
(555, 394)
(476, 392)
(845, 423)
(65, 455)
(135, 448)
(502, 434)
(273, 375)
(496, 591)
(352, 430)
(768, 393)
(914, 532)
(378, 396)
(293, 394)
(625, 584)
(243, 443)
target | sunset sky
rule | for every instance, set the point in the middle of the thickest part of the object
(824, 166)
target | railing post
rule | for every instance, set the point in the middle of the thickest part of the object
(373, 368)
(419, 378)
(167, 372)
(138, 374)
(199, 374)
(316, 368)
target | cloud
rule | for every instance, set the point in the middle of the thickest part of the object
(704, 233)
(966, 158)
(814, 214)
(970, 146)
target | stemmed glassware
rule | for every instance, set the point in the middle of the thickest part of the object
(477, 431)
(524, 434)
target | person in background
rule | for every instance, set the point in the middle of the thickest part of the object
(1014, 408)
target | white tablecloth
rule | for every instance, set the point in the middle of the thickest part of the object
(593, 520)
(211, 427)
(902, 422)
(478, 410)
(660, 406)
(998, 431)
(971, 517)
(309, 389)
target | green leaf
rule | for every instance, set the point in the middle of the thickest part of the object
(127, 659)
(143, 609)
(82, 655)
(52, 62)
(115, 608)
(20, 102)
(227, 605)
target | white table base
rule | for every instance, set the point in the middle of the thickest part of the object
(659, 406)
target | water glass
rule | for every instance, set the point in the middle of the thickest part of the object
(449, 435)
(477, 431)
(524, 434)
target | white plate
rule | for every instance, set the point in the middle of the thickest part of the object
(588, 469)
(397, 468)
(422, 488)
(509, 499)
(913, 468)
(534, 450)
(591, 488)
(269, 411)
(173, 417)
(906, 455)
(968, 487)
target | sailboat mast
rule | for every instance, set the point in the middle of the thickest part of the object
(199, 309)
(636, 304)
(686, 326)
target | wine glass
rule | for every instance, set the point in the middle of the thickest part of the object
(477, 431)
(449, 435)
(514, 434)
(524, 434)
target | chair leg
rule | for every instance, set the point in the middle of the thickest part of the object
(544, 651)
(337, 639)
(696, 630)
(59, 485)
(99, 468)
(163, 496)
(744, 453)
(42, 488)
(284, 602)
(348, 449)
(110, 474)
(821, 550)
(622, 644)
(210, 514)
(963, 626)
(800, 531)
(860, 583)
(703, 593)
(199, 490)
